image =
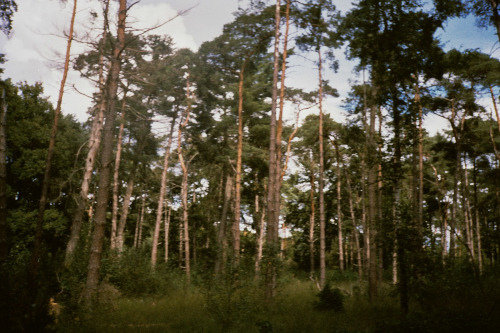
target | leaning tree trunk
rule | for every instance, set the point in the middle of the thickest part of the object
(106, 161)
(161, 199)
(37, 245)
(94, 144)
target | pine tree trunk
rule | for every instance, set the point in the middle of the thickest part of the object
(167, 230)
(106, 161)
(312, 219)
(94, 144)
(220, 264)
(237, 199)
(272, 211)
(120, 234)
(260, 241)
(37, 245)
(339, 209)
(322, 222)
(161, 199)
(4, 249)
(184, 187)
(116, 180)
(359, 259)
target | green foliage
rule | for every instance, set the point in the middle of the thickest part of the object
(330, 299)
(133, 275)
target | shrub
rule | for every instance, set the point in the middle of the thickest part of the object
(330, 299)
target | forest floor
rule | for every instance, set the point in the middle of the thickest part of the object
(296, 308)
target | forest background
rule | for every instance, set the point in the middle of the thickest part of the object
(248, 178)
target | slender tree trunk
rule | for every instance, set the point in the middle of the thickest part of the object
(5, 297)
(106, 161)
(339, 209)
(476, 218)
(184, 187)
(116, 180)
(312, 219)
(420, 192)
(161, 199)
(120, 234)
(167, 230)
(237, 199)
(220, 264)
(371, 188)
(354, 228)
(279, 126)
(495, 107)
(322, 222)
(260, 241)
(468, 212)
(94, 144)
(272, 244)
(37, 246)
(4, 248)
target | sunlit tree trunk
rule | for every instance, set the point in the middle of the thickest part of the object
(167, 231)
(161, 199)
(37, 244)
(93, 148)
(355, 231)
(237, 199)
(339, 208)
(184, 187)
(106, 161)
(116, 180)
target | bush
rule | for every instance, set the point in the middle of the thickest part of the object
(330, 299)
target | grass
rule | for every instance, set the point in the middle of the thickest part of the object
(215, 307)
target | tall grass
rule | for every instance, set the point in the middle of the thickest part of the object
(219, 305)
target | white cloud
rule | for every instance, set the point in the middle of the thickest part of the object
(148, 16)
(36, 48)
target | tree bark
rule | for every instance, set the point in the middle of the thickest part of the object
(116, 180)
(161, 199)
(272, 244)
(322, 222)
(94, 144)
(106, 161)
(312, 220)
(167, 231)
(37, 245)
(354, 228)
(339, 209)
(184, 187)
(220, 264)
(4, 248)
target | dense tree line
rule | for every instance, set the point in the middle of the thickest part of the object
(188, 164)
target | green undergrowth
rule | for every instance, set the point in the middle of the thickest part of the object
(238, 305)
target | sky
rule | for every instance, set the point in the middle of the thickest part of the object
(35, 49)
